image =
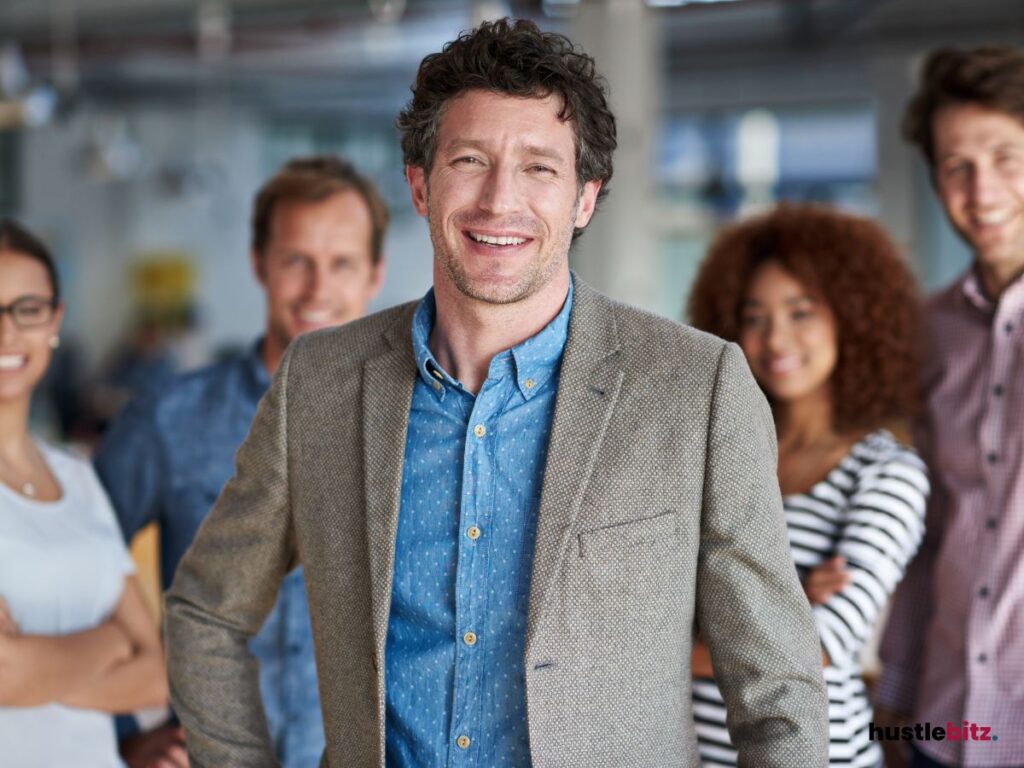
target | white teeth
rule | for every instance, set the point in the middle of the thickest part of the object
(993, 218)
(11, 362)
(487, 239)
(783, 365)
(315, 317)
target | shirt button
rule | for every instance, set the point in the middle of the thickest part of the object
(991, 523)
(1008, 327)
(993, 458)
(436, 373)
(463, 742)
(997, 390)
(479, 430)
(983, 592)
(469, 638)
(530, 383)
(473, 532)
(982, 658)
(437, 386)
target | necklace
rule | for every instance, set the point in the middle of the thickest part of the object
(28, 488)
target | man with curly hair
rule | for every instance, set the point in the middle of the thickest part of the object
(954, 648)
(515, 500)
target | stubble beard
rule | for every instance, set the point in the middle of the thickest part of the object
(538, 273)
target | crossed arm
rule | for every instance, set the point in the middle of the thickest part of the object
(820, 584)
(116, 666)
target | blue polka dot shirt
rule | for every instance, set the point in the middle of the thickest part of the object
(471, 487)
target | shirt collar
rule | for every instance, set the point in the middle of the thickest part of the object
(255, 367)
(973, 290)
(535, 360)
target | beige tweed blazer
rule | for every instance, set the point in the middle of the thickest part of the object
(660, 516)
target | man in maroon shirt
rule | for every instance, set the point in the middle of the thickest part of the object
(954, 647)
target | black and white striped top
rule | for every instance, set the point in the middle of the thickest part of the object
(869, 509)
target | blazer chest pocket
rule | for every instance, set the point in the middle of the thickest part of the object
(629, 575)
(645, 533)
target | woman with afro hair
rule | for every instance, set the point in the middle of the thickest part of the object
(827, 316)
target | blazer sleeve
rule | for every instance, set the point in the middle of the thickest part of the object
(751, 609)
(224, 587)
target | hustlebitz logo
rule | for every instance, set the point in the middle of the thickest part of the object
(927, 732)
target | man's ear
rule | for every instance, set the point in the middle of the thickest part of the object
(417, 179)
(588, 203)
(259, 266)
(377, 280)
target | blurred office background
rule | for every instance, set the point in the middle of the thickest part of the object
(133, 134)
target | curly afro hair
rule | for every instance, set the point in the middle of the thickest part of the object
(850, 264)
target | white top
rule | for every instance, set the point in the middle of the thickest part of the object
(869, 509)
(62, 570)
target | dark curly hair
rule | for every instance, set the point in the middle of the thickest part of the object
(517, 59)
(851, 265)
(991, 77)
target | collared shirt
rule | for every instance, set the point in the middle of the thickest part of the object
(165, 459)
(471, 487)
(954, 646)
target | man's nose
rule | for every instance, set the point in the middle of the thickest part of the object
(986, 185)
(500, 194)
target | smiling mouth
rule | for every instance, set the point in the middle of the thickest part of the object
(993, 218)
(315, 317)
(783, 365)
(12, 362)
(496, 241)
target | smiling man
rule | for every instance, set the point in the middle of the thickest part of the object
(515, 500)
(317, 234)
(954, 648)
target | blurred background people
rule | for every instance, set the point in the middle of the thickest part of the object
(318, 229)
(77, 641)
(827, 316)
(953, 651)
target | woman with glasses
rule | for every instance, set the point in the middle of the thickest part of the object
(827, 317)
(77, 641)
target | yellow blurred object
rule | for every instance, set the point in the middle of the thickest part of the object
(164, 281)
(146, 554)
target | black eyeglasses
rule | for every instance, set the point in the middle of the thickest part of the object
(30, 311)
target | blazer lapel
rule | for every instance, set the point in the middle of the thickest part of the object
(388, 382)
(588, 388)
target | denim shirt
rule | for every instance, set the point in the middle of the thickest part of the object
(165, 459)
(471, 483)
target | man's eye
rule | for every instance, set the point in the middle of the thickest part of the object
(751, 321)
(468, 160)
(541, 169)
(1011, 159)
(954, 169)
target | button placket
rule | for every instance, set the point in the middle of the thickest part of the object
(472, 559)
